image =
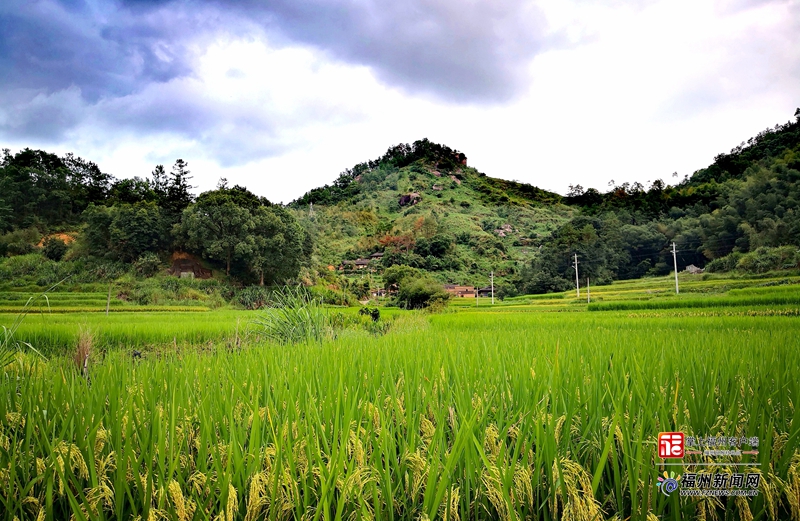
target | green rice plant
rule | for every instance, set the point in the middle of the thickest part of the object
(56, 333)
(460, 416)
(509, 413)
(295, 316)
(8, 346)
(782, 299)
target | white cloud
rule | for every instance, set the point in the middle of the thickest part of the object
(629, 93)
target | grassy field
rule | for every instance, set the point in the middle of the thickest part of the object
(521, 411)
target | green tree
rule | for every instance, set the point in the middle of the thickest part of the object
(124, 232)
(136, 229)
(177, 195)
(277, 245)
(218, 228)
(396, 274)
(418, 293)
(130, 191)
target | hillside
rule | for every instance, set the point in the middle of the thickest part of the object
(421, 205)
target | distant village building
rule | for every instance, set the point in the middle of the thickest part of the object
(362, 264)
(460, 291)
(691, 268)
(485, 291)
(358, 264)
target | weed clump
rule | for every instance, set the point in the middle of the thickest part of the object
(295, 317)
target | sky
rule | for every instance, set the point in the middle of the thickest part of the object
(282, 95)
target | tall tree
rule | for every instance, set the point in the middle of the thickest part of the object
(86, 178)
(218, 228)
(278, 245)
(178, 195)
(159, 182)
(125, 231)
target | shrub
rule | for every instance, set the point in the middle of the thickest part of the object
(54, 248)
(420, 293)
(373, 313)
(333, 297)
(766, 259)
(32, 265)
(252, 297)
(726, 263)
(147, 264)
(19, 242)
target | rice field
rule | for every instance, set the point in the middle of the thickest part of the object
(509, 413)
(57, 333)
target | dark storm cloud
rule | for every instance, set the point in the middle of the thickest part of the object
(462, 51)
(458, 51)
(95, 51)
(51, 46)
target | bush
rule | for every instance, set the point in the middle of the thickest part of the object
(19, 242)
(21, 266)
(723, 264)
(421, 293)
(147, 264)
(766, 259)
(333, 298)
(252, 297)
(54, 248)
(373, 313)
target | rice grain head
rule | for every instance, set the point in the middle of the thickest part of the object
(183, 508)
(233, 504)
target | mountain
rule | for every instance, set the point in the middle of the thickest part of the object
(422, 205)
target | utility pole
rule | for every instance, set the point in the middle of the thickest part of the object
(491, 276)
(476, 295)
(577, 284)
(588, 293)
(675, 263)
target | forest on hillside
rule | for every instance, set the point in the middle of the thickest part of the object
(419, 205)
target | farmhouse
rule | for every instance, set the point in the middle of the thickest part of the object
(460, 291)
(355, 265)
